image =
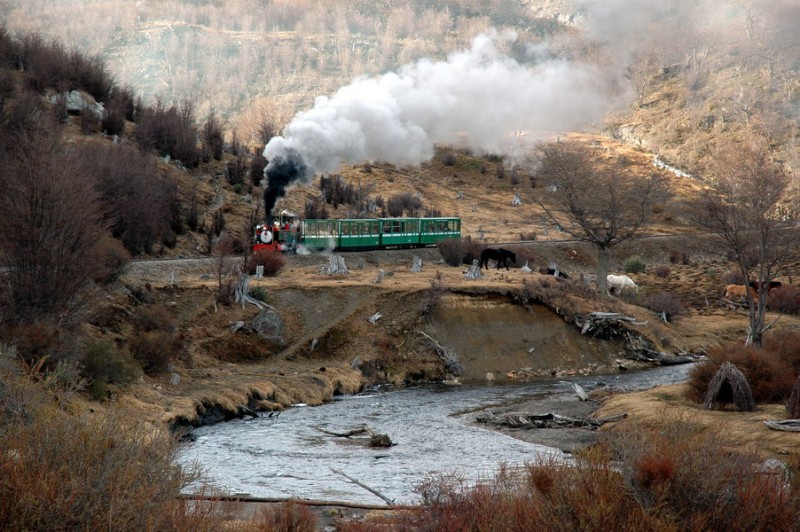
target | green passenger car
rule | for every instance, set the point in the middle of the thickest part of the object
(351, 234)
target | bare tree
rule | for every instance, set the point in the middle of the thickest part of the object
(594, 198)
(748, 206)
(51, 226)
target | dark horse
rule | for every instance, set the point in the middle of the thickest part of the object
(500, 255)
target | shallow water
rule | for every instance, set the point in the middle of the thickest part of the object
(285, 456)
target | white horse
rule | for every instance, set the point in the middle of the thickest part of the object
(620, 282)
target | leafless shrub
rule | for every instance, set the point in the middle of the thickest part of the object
(793, 404)
(287, 516)
(662, 271)
(678, 256)
(531, 235)
(140, 201)
(26, 115)
(257, 164)
(403, 202)
(169, 130)
(51, 65)
(272, 262)
(315, 209)
(131, 484)
(211, 138)
(433, 296)
(785, 299)
(113, 122)
(663, 303)
(449, 158)
(237, 170)
(217, 223)
(458, 251)
(784, 344)
(156, 341)
(46, 273)
(336, 191)
(733, 277)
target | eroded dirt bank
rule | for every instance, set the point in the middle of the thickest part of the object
(335, 334)
(319, 340)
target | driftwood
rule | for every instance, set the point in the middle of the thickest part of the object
(789, 425)
(582, 395)
(544, 421)
(376, 439)
(371, 490)
(605, 324)
(245, 410)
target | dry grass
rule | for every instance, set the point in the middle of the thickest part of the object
(91, 471)
(651, 409)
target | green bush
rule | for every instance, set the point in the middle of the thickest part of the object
(258, 293)
(634, 264)
(105, 362)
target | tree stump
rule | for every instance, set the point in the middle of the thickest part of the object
(474, 271)
(336, 266)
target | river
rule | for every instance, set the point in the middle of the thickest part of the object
(432, 427)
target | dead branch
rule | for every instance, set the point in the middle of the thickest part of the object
(450, 359)
(605, 324)
(373, 491)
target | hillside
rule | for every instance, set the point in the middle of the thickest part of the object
(125, 223)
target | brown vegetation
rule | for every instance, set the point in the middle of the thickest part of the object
(768, 374)
(93, 471)
(680, 476)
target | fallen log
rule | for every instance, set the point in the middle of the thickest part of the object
(245, 410)
(789, 425)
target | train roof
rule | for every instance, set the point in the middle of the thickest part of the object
(382, 219)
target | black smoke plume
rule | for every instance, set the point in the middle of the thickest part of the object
(281, 172)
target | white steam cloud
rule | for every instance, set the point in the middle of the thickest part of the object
(476, 98)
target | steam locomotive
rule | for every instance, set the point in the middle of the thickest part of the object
(288, 233)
